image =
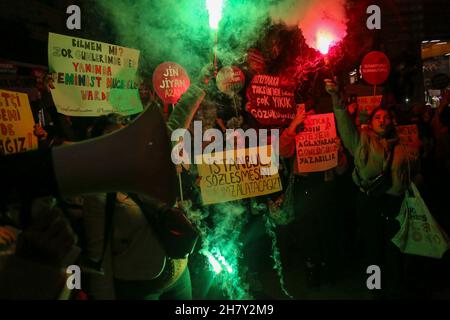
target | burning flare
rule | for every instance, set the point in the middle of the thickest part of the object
(215, 12)
(324, 40)
(323, 23)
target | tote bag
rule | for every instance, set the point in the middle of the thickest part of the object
(419, 233)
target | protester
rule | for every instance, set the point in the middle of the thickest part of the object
(134, 261)
(316, 227)
(34, 269)
(382, 171)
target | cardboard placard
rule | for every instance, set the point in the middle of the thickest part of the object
(227, 181)
(316, 148)
(16, 123)
(366, 105)
(271, 100)
(93, 78)
(409, 138)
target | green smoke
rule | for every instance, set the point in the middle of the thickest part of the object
(225, 244)
(270, 230)
(222, 246)
(166, 30)
(178, 30)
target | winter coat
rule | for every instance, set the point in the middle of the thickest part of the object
(371, 153)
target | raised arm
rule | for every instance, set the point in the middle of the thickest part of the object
(436, 121)
(287, 139)
(347, 130)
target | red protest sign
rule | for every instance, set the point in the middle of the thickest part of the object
(271, 100)
(366, 105)
(230, 80)
(170, 81)
(375, 68)
(409, 139)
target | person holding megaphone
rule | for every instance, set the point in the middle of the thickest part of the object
(133, 260)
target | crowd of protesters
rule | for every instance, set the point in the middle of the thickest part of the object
(338, 219)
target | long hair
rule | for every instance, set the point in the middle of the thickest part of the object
(390, 130)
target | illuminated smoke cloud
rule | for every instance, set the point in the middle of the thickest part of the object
(168, 30)
(276, 256)
(179, 30)
(323, 22)
(222, 246)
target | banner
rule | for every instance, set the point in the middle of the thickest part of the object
(366, 105)
(409, 138)
(16, 123)
(93, 78)
(239, 177)
(315, 145)
(271, 100)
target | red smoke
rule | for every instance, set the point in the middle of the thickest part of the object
(324, 24)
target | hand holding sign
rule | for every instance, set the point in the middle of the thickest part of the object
(298, 120)
(39, 132)
(301, 115)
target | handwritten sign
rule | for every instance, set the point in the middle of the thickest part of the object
(239, 177)
(230, 80)
(170, 81)
(16, 123)
(271, 100)
(366, 105)
(93, 78)
(409, 138)
(316, 146)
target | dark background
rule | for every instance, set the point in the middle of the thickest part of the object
(24, 25)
